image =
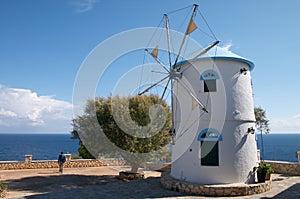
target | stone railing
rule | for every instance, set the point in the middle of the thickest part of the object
(28, 163)
(281, 167)
(289, 168)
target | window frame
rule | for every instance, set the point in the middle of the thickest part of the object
(209, 78)
(210, 85)
(211, 137)
(212, 157)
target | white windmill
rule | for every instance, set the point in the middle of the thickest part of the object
(213, 113)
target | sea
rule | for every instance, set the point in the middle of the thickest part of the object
(280, 147)
(13, 147)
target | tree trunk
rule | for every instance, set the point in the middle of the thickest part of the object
(134, 168)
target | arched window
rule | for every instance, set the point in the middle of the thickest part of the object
(209, 78)
(209, 138)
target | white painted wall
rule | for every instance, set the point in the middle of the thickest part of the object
(231, 112)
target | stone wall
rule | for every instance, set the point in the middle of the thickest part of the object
(214, 190)
(289, 168)
(45, 164)
(281, 167)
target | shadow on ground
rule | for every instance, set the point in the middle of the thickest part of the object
(80, 186)
(57, 182)
(290, 193)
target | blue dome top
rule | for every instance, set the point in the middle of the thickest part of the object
(217, 53)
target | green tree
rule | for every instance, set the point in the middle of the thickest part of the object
(262, 125)
(262, 122)
(86, 128)
(138, 127)
(84, 153)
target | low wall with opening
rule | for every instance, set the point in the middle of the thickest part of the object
(28, 163)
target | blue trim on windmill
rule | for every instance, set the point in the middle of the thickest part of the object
(209, 134)
(209, 74)
(217, 53)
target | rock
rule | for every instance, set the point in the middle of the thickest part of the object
(127, 176)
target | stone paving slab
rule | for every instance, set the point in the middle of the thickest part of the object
(102, 183)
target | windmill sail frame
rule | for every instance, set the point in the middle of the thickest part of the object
(175, 70)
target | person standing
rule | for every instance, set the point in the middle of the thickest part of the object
(61, 161)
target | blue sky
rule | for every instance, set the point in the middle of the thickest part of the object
(43, 43)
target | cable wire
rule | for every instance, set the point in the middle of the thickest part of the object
(207, 24)
(169, 13)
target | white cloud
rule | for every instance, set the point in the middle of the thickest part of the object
(227, 46)
(24, 109)
(290, 124)
(84, 5)
(6, 113)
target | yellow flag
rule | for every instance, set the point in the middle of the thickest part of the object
(154, 53)
(192, 26)
(194, 103)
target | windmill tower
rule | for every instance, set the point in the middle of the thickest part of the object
(218, 146)
(213, 114)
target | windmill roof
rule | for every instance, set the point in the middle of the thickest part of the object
(217, 53)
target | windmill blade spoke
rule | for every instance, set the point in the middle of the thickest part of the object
(200, 104)
(162, 96)
(188, 31)
(159, 72)
(157, 60)
(206, 49)
(194, 97)
(177, 68)
(168, 39)
(153, 85)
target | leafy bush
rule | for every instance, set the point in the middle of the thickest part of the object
(3, 188)
(264, 168)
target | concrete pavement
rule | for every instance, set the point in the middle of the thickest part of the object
(102, 182)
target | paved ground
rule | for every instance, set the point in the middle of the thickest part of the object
(101, 182)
